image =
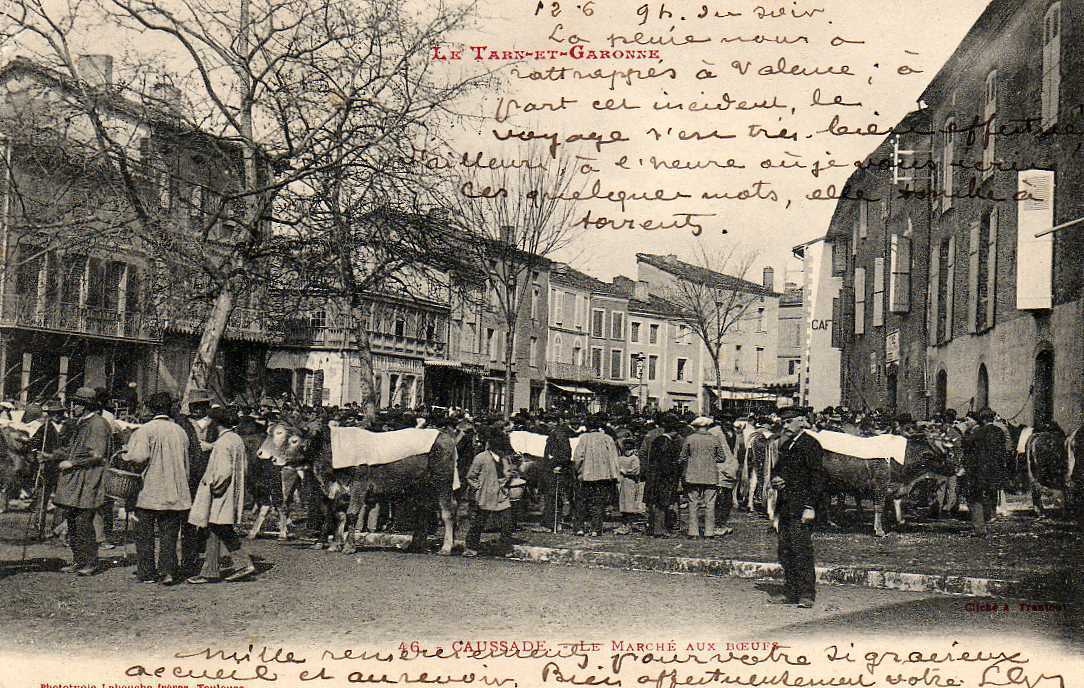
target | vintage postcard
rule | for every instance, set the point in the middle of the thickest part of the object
(517, 343)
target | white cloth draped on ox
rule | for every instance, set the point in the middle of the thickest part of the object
(533, 444)
(878, 447)
(359, 447)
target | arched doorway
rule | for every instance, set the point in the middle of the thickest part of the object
(1043, 390)
(941, 392)
(982, 389)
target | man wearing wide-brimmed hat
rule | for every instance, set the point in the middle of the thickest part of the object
(197, 427)
(44, 444)
(81, 486)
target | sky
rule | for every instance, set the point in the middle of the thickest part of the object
(875, 39)
(921, 34)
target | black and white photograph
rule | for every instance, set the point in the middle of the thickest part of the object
(527, 343)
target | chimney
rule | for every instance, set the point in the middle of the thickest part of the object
(769, 279)
(643, 290)
(625, 285)
(166, 94)
(96, 70)
(508, 234)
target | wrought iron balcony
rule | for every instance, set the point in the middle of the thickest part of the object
(571, 372)
(26, 310)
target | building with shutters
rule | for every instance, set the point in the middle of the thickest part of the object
(86, 299)
(878, 321)
(748, 358)
(1004, 310)
(991, 225)
(569, 374)
(608, 355)
(819, 370)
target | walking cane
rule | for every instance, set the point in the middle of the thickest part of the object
(557, 504)
(33, 510)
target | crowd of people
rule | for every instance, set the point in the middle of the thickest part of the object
(200, 474)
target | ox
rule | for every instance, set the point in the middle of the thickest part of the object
(879, 479)
(1052, 461)
(416, 468)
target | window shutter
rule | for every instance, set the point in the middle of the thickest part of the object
(950, 287)
(991, 271)
(899, 296)
(973, 279)
(854, 241)
(879, 291)
(837, 322)
(859, 300)
(863, 219)
(1034, 256)
(933, 292)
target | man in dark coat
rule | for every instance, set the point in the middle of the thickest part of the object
(201, 436)
(556, 471)
(800, 478)
(984, 460)
(81, 483)
(661, 474)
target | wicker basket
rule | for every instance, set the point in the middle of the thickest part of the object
(122, 484)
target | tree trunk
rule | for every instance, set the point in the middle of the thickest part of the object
(369, 392)
(509, 355)
(717, 403)
(204, 361)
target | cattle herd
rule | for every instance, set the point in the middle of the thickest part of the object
(406, 467)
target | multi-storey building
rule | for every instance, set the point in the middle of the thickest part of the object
(819, 375)
(881, 323)
(84, 298)
(567, 369)
(748, 353)
(1005, 245)
(608, 351)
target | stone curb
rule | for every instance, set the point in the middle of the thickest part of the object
(826, 575)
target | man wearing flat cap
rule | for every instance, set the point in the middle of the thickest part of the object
(799, 477)
(81, 482)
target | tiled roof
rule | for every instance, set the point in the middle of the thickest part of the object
(566, 275)
(655, 305)
(693, 273)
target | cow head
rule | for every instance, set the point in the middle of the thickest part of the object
(928, 456)
(284, 442)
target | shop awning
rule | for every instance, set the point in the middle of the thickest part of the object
(570, 389)
(442, 363)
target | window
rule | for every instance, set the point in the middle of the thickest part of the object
(617, 325)
(948, 157)
(878, 291)
(634, 332)
(760, 320)
(596, 361)
(681, 370)
(598, 317)
(652, 367)
(536, 294)
(737, 358)
(989, 113)
(557, 348)
(581, 314)
(577, 356)
(318, 319)
(491, 344)
(863, 219)
(653, 334)
(859, 300)
(570, 310)
(616, 358)
(946, 278)
(532, 352)
(792, 367)
(636, 367)
(682, 334)
(558, 315)
(1051, 86)
(472, 337)
(553, 306)
(400, 327)
(982, 272)
(899, 267)
(759, 360)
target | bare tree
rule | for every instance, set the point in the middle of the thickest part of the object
(512, 221)
(271, 83)
(713, 297)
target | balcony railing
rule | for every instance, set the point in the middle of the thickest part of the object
(571, 372)
(248, 324)
(26, 310)
(342, 337)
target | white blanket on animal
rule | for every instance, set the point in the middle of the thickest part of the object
(878, 447)
(359, 447)
(532, 443)
(1025, 435)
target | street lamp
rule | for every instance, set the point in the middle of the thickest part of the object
(639, 358)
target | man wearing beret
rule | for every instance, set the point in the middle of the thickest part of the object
(799, 477)
(81, 483)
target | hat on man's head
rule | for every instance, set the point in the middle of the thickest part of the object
(54, 406)
(84, 395)
(701, 422)
(160, 402)
(32, 413)
(790, 413)
(199, 396)
(223, 416)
